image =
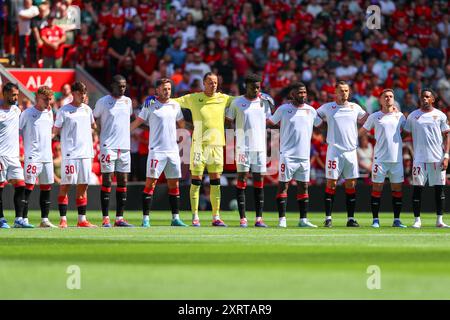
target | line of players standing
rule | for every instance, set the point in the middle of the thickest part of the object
(251, 114)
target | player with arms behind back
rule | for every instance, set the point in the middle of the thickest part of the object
(10, 167)
(388, 158)
(297, 120)
(342, 117)
(36, 125)
(429, 128)
(208, 139)
(250, 112)
(75, 123)
(113, 113)
(162, 116)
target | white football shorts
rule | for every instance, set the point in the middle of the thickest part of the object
(115, 160)
(10, 169)
(391, 170)
(42, 170)
(431, 171)
(76, 171)
(343, 163)
(293, 168)
(167, 162)
(251, 160)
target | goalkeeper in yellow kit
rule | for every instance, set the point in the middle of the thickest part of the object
(208, 139)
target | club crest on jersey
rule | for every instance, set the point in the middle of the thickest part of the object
(3, 117)
(200, 100)
(435, 118)
(333, 107)
(244, 105)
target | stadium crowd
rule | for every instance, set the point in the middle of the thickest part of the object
(316, 42)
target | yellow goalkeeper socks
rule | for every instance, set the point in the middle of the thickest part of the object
(194, 195)
(215, 199)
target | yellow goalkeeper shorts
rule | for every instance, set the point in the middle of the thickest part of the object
(207, 156)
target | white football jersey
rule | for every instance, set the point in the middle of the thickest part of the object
(342, 123)
(426, 129)
(296, 129)
(76, 131)
(9, 132)
(250, 123)
(36, 127)
(114, 115)
(161, 119)
(388, 135)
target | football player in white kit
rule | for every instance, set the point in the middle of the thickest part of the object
(297, 119)
(36, 125)
(250, 112)
(75, 123)
(112, 113)
(388, 157)
(429, 128)
(162, 115)
(10, 167)
(342, 117)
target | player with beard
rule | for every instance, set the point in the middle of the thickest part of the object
(429, 128)
(297, 119)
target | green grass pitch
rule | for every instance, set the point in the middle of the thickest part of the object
(165, 262)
